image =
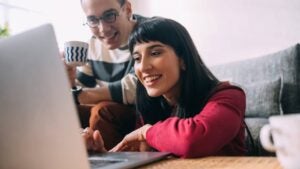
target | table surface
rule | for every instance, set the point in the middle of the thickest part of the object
(217, 163)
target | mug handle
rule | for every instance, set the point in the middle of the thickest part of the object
(265, 138)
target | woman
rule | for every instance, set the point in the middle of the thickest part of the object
(184, 109)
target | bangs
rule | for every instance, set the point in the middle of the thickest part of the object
(147, 31)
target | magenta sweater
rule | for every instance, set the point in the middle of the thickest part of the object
(217, 130)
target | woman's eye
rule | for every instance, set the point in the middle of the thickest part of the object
(155, 53)
(136, 59)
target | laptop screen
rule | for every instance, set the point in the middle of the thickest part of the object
(38, 123)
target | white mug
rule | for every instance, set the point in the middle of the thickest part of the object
(76, 53)
(282, 136)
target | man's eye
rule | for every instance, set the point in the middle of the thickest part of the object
(109, 17)
(92, 20)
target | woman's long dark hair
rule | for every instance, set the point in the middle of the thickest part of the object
(196, 80)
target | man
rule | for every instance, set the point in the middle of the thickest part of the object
(107, 79)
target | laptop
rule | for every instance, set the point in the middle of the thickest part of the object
(39, 127)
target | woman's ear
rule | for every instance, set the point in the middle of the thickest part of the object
(182, 64)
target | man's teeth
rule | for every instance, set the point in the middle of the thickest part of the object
(110, 36)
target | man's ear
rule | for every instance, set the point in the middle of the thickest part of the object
(128, 9)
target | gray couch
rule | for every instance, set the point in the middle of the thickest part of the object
(272, 86)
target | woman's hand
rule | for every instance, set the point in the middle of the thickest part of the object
(134, 141)
(93, 140)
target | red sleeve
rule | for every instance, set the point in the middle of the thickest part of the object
(204, 134)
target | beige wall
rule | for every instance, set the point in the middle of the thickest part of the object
(228, 30)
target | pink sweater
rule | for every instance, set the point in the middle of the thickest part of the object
(217, 130)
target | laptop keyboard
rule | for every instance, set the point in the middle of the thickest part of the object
(97, 163)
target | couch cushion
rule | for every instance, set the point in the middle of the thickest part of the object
(263, 98)
(285, 64)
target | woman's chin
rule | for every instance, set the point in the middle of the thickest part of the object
(153, 93)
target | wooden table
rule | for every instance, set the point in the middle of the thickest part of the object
(217, 163)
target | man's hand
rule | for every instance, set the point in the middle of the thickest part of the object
(71, 70)
(134, 141)
(93, 140)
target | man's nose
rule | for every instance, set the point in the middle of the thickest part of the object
(103, 27)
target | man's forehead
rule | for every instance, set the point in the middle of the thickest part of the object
(103, 2)
(99, 7)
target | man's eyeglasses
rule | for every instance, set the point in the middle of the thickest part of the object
(110, 17)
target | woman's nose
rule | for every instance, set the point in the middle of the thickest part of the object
(145, 65)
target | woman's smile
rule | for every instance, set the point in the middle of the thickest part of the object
(151, 80)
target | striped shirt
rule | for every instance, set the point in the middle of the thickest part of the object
(112, 68)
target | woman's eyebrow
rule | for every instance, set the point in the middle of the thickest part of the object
(149, 48)
(154, 46)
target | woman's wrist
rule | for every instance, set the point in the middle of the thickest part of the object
(146, 127)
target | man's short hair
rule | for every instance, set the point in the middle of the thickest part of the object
(121, 2)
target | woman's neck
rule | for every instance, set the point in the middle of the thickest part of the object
(172, 96)
(172, 101)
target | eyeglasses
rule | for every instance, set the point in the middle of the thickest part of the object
(109, 17)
